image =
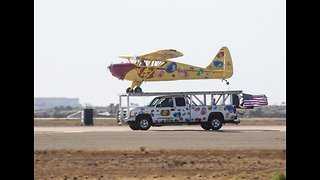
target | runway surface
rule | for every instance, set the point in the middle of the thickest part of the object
(166, 137)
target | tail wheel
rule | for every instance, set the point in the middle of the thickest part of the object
(133, 125)
(138, 90)
(206, 126)
(215, 123)
(143, 123)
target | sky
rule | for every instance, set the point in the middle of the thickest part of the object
(76, 40)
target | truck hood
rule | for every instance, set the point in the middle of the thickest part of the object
(142, 109)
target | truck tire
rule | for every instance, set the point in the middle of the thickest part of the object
(133, 125)
(143, 123)
(206, 126)
(215, 122)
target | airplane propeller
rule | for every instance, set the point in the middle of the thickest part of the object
(109, 67)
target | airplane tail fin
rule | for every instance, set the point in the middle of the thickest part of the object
(222, 62)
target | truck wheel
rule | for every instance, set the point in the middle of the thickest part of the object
(215, 123)
(143, 123)
(206, 126)
(133, 125)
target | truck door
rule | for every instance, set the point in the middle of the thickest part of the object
(182, 111)
(164, 110)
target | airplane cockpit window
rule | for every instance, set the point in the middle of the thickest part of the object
(149, 63)
(142, 63)
(136, 60)
(157, 63)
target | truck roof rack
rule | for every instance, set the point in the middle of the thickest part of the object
(182, 93)
(216, 97)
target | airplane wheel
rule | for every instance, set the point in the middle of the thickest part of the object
(129, 90)
(138, 90)
(228, 83)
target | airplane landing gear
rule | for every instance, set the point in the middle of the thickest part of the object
(129, 90)
(135, 87)
(136, 90)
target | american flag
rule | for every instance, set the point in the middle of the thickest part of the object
(254, 100)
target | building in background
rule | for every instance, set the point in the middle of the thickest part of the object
(51, 102)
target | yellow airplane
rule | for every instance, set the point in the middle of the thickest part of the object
(156, 66)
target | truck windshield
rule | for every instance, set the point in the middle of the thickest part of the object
(154, 102)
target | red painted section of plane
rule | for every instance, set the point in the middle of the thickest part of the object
(120, 70)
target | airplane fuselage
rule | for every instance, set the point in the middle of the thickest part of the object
(168, 71)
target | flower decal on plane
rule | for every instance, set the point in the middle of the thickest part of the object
(171, 67)
(160, 74)
(218, 64)
(220, 54)
(183, 73)
(199, 72)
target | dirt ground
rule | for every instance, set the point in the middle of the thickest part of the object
(113, 122)
(159, 164)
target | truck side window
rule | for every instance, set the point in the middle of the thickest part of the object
(170, 102)
(165, 102)
(180, 101)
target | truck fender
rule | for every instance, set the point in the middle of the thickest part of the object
(216, 114)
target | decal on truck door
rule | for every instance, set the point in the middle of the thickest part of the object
(165, 112)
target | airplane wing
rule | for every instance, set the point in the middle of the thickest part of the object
(161, 55)
(126, 57)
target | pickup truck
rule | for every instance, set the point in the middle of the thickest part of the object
(180, 109)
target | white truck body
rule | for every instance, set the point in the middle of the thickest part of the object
(175, 109)
(181, 111)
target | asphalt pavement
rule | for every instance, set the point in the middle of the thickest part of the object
(166, 137)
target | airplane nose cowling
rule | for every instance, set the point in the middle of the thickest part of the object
(120, 70)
